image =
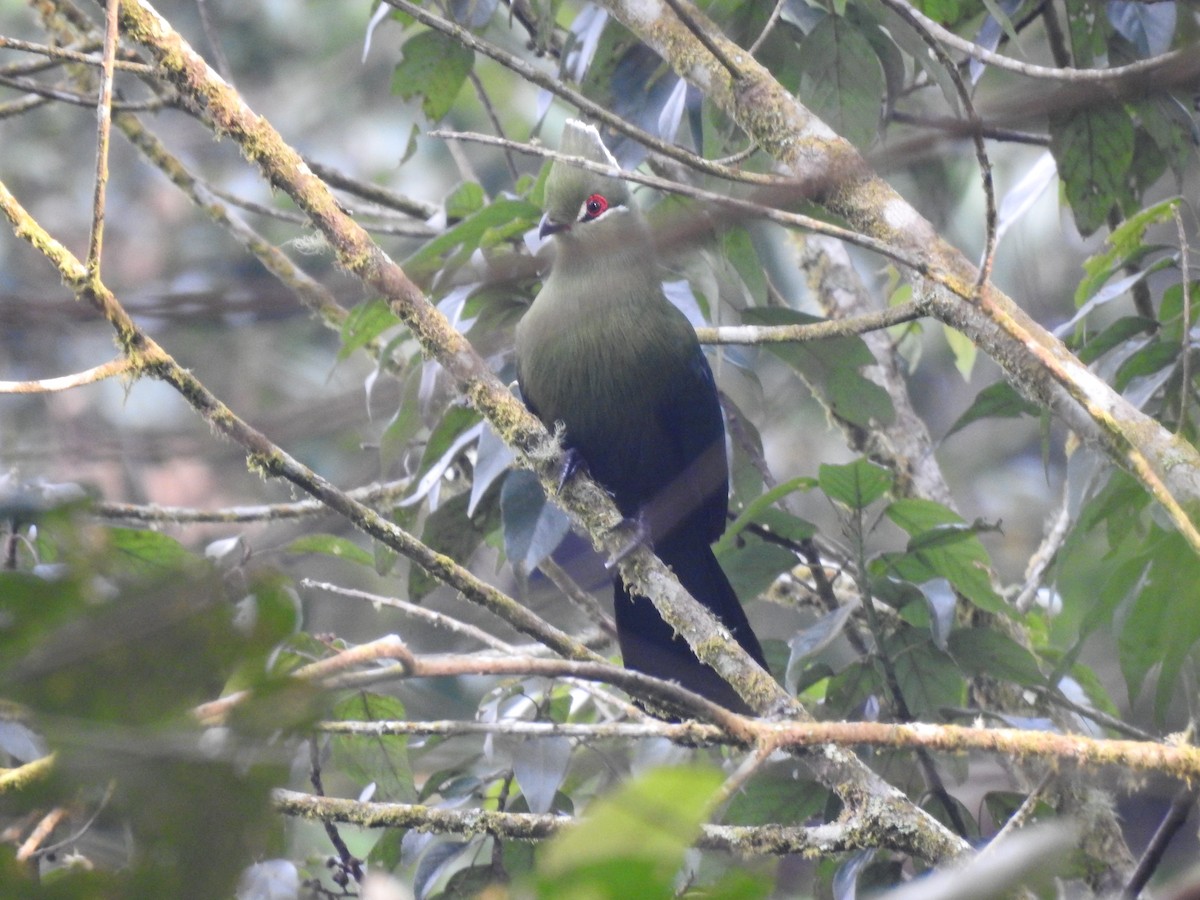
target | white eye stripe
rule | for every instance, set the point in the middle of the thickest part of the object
(586, 215)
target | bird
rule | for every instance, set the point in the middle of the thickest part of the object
(603, 354)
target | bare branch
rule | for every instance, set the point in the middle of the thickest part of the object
(1145, 67)
(745, 840)
(8, 43)
(67, 382)
(103, 136)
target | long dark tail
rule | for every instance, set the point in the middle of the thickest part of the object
(648, 644)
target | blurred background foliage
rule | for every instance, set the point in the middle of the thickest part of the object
(111, 631)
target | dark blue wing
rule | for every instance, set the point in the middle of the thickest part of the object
(693, 419)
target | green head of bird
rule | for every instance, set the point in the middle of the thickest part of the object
(578, 201)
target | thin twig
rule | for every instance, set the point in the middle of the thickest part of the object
(1022, 815)
(753, 762)
(8, 43)
(1072, 76)
(77, 99)
(1185, 362)
(689, 731)
(580, 598)
(1057, 531)
(909, 15)
(791, 191)
(45, 827)
(745, 840)
(418, 209)
(401, 228)
(360, 666)
(103, 137)
(555, 86)
(371, 495)
(67, 382)
(813, 331)
(220, 63)
(1180, 761)
(1055, 696)
(958, 128)
(83, 828)
(311, 293)
(1175, 819)
(347, 861)
(16, 108)
(437, 619)
(771, 20)
(486, 102)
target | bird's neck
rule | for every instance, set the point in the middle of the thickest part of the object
(589, 269)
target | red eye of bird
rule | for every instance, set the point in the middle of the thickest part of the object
(594, 206)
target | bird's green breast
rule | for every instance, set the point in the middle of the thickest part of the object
(604, 357)
(610, 362)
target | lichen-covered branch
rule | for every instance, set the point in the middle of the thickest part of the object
(743, 840)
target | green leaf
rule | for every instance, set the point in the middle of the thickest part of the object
(381, 759)
(499, 217)
(450, 531)
(1170, 311)
(405, 424)
(850, 688)
(1114, 335)
(533, 526)
(1124, 244)
(331, 545)
(1162, 627)
(941, 11)
(1088, 28)
(754, 511)
(455, 421)
(963, 349)
(843, 79)
(434, 68)
(1093, 147)
(140, 553)
(631, 842)
(930, 681)
(464, 200)
(831, 368)
(942, 543)
(999, 400)
(1154, 357)
(987, 652)
(144, 658)
(737, 248)
(754, 566)
(856, 485)
(365, 322)
(471, 882)
(776, 797)
(1169, 124)
(270, 611)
